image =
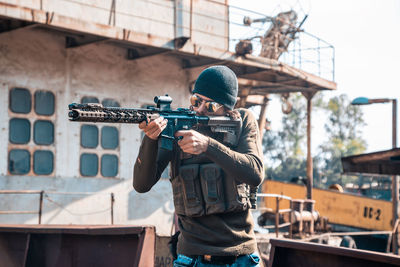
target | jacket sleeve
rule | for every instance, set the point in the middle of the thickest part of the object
(245, 163)
(149, 165)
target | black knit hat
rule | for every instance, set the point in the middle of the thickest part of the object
(218, 83)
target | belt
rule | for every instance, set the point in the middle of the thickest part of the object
(217, 259)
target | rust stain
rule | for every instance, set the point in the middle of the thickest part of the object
(49, 17)
(126, 34)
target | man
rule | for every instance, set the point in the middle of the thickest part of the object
(210, 179)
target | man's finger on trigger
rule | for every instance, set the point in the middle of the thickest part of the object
(181, 133)
(183, 141)
(186, 148)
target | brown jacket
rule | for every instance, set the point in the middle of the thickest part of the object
(218, 234)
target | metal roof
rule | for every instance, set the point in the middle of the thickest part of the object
(385, 162)
(257, 75)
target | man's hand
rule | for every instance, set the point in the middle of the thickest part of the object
(154, 128)
(192, 142)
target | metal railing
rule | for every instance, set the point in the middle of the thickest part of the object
(306, 51)
(44, 194)
(277, 212)
(302, 215)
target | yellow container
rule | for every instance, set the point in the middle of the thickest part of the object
(340, 208)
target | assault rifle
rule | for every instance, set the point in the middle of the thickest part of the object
(179, 119)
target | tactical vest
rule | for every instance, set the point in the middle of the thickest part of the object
(200, 187)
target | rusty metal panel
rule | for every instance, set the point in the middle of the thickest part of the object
(340, 208)
(382, 162)
(301, 254)
(13, 249)
(163, 256)
(77, 245)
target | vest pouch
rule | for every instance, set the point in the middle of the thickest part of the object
(177, 190)
(192, 196)
(211, 177)
(237, 196)
(244, 196)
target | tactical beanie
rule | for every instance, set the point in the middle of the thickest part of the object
(218, 83)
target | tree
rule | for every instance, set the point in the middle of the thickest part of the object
(343, 129)
(285, 148)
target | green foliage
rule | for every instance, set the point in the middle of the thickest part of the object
(287, 143)
(344, 136)
(286, 148)
(344, 119)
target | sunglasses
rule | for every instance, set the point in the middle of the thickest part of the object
(211, 106)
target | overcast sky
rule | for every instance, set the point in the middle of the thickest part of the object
(366, 37)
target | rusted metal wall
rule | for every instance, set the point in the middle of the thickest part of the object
(302, 254)
(163, 256)
(37, 59)
(66, 246)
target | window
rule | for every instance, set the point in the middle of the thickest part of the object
(109, 165)
(109, 103)
(31, 132)
(89, 164)
(88, 99)
(19, 161)
(99, 145)
(20, 131)
(44, 103)
(20, 100)
(43, 132)
(43, 162)
(89, 136)
(109, 137)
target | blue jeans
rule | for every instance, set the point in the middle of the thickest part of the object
(251, 260)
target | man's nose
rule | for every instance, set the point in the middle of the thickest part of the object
(202, 108)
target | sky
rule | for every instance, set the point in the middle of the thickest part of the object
(366, 37)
